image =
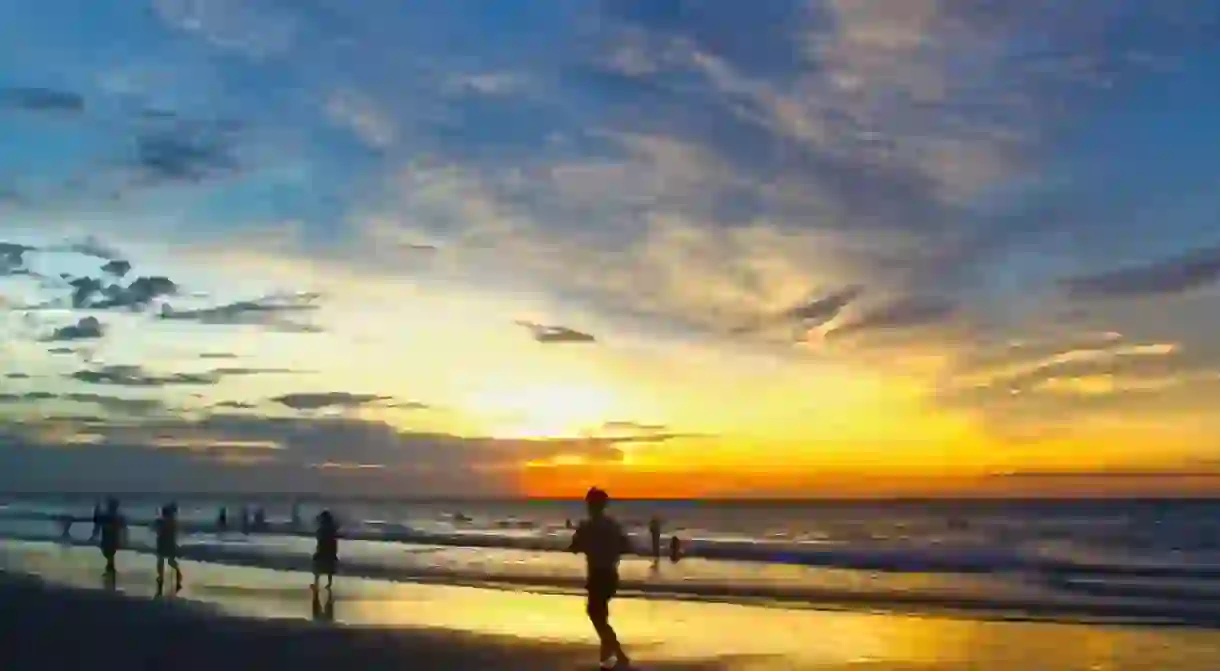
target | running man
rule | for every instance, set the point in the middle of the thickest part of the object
(166, 527)
(602, 541)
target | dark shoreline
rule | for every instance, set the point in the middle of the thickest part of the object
(44, 626)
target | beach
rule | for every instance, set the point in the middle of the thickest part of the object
(58, 614)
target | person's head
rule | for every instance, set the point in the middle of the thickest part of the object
(169, 509)
(596, 500)
(326, 519)
(112, 505)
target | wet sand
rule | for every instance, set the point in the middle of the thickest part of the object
(235, 618)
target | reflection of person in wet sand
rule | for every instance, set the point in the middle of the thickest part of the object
(603, 543)
(326, 554)
(323, 612)
(166, 528)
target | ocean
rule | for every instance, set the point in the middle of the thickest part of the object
(1145, 561)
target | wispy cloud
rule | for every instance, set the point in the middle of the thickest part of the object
(87, 328)
(1169, 276)
(35, 99)
(333, 399)
(556, 334)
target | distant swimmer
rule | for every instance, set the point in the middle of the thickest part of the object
(113, 530)
(603, 543)
(326, 554)
(166, 528)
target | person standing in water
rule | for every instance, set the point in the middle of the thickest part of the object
(326, 554)
(113, 529)
(98, 514)
(654, 531)
(603, 543)
(166, 528)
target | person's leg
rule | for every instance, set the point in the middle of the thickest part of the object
(173, 563)
(160, 568)
(598, 613)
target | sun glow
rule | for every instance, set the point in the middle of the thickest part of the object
(538, 411)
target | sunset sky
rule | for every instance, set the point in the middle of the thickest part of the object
(677, 248)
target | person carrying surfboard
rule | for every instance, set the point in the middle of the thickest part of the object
(602, 541)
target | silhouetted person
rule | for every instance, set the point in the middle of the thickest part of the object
(222, 520)
(654, 531)
(245, 520)
(65, 527)
(675, 549)
(97, 521)
(603, 543)
(166, 528)
(323, 612)
(113, 528)
(260, 520)
(326, 554)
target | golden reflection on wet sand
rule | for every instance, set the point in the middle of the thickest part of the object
(756, 637)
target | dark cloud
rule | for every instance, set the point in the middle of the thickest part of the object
(1170, 276)
(407, 405)
(116, 267)
(61, 350)
(180, 151)
(88, 328)
(236, 405)
(267, 311)
(556, 334)
(217, 355)
(94, 294)
(128, 406)
(36, 99)
(332, 399)
(240, 371)
(12, 258)
(17, 376)
(904, 313)
(136, 376)
(810, 314)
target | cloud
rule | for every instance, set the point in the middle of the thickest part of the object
(236, 405)
(904, 313)
(116, 267)
(185, 153)
(33, 99)
(363, 118)
(137, 376)
(333, 399)
(128, 406)
(556, 334)
(94, 294)
(17, 376)
(1170, 276)
(266, 311)
(87, 328)
(61, 350)
(12, 258)
(91, 246)
(217, 355)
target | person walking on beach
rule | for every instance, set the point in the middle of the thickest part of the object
(326, 554)
(602, 541)
(166, 528)
(113, 529)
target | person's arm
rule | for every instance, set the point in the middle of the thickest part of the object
(578, 539)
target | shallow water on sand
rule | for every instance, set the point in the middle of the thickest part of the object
(755, 638)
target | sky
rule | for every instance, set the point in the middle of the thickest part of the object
(676, 248)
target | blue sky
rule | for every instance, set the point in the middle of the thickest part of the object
(494, 241)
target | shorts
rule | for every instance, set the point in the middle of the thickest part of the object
(601, 586)
(324, 564)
